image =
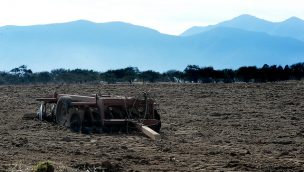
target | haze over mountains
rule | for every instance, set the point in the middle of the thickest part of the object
(292, 27)
(244, 40)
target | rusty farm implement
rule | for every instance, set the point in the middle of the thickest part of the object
(101, 113)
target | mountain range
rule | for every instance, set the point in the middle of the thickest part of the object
(244, 40)
(292, 27)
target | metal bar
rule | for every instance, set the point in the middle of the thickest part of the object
(100, 107)
(48, 100)
(79, 98)
(115, 121)
(91, 104)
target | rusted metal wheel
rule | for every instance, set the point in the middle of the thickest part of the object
(62, 110)
(75, 122)
(156, 127)
(42, 112)
(87, 121)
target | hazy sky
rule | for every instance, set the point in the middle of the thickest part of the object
(167, 16)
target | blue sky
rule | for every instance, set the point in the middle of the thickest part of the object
(167, 16)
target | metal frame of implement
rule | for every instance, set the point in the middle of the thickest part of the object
(77, 112)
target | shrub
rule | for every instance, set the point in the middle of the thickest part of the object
(45, 166)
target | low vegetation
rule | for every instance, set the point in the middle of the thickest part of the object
(192, 73)
(45, 166)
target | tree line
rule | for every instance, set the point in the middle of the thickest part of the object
(192, 74)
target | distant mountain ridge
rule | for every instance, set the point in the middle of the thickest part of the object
(292, 27)
(102, 46)
(235, 47)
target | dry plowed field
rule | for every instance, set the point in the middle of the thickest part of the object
(211, 127)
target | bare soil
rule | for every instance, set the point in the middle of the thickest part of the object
(211, 127)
